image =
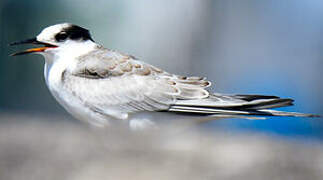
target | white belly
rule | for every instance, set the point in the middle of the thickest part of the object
(53, 76)
(75, 106)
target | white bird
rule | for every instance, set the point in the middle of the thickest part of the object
(101, 86)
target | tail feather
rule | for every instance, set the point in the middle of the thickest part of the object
(275, 103)
(283, 113)
(236, 105)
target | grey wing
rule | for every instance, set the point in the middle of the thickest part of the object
(115, 84)
(120, 95)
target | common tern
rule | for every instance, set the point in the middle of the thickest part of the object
(103, 86)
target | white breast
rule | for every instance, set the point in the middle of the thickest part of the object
(53, 75)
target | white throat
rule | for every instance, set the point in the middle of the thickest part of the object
(69, 51)
(64, 57)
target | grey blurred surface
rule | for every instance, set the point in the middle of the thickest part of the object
(44, 147)
(251, 46)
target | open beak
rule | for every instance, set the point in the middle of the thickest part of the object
(32, 41)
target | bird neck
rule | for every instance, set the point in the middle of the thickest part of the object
(69, 51)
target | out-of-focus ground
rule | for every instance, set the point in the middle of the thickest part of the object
(245, 47)
(46, 147)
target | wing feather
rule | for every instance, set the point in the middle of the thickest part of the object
(109, 82)
(116, 84)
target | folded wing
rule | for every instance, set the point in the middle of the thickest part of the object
(115, 84)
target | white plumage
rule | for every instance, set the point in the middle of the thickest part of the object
(101, 86)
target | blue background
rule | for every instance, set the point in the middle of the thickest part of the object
(268, 47)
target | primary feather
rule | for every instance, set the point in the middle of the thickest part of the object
(108, 81)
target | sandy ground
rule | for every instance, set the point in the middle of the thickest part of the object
(49, 148)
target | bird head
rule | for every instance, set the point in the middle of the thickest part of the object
(58, 38)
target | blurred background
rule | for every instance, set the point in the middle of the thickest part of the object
(253, 47)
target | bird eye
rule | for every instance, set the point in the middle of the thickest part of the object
(62, 36)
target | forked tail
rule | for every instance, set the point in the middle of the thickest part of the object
(236, 105)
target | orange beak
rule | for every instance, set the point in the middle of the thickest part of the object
(32, 41)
